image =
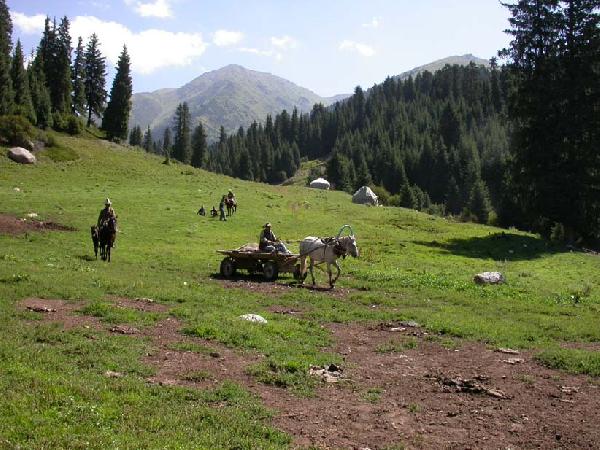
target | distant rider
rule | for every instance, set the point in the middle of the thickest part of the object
(268, 242)
(107, 213)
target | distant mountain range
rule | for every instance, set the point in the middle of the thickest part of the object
(234, 96)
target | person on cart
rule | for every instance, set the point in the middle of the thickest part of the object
(268, 242)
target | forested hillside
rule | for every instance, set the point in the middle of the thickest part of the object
(436, 139)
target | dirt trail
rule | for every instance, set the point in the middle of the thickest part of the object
(404, 397)
(14, 226)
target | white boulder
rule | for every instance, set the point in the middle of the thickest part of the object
(489, 278)
(365, 196)
(21, 155)
(320, 183)
(253, 318)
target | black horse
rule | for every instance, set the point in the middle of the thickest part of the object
(107, 234)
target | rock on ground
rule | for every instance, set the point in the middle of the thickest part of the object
(21, 155)
(489, 278)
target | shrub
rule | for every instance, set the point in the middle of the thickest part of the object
(16, 130)
(74, 125)
(383, 196)
(557, 232)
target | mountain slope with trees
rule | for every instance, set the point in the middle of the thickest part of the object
(231, 97)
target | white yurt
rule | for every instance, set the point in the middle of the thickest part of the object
(320, 183)
(365, 196)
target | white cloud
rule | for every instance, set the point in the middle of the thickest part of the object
(284, 42)
(157, 8)
(223, 38)
(351, 46)
(149, 50)
(28, 24)
(374, 23)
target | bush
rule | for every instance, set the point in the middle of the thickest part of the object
(74, 125)
(383, 196)
(16, 130)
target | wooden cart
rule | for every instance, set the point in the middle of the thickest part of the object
(269, 264)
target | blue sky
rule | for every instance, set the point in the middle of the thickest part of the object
(328, 46)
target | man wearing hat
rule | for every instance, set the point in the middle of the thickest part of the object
(268, 242)
(107, 213)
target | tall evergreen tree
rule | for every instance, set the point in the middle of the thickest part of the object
(147, 141)
(135, 136)
(199, 146)
(167, 142)
(182, 147)
(40, 95)
(20, 82)
(62, 87)
(116, 116)
(78, 80)
(6, 91)
(95, 79)
(554, 59)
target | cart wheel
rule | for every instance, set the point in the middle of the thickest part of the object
(228, 268)
(270, 271)
(297, 274)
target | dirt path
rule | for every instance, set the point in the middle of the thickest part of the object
(422, 395)
(14, 226)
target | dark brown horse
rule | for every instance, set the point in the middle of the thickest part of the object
(107, 235)
(231, 206)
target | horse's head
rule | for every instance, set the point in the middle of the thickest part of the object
(349, 243)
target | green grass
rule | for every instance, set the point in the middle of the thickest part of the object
(412, 267)
(571, 360)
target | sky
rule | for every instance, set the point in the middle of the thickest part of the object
(327, 46)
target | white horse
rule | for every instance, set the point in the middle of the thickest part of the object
(325, 251)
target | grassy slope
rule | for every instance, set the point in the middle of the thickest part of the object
(412, 266)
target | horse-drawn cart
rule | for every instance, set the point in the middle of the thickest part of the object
(255, 261)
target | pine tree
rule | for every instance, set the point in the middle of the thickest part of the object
(479, 202)
(6, 91)
(95, 79)
(116, 116)
(40, 95)
(135, 136)
(167, 143)
(147, 141)
(182, 148)
(199, 146)
(555, 112)
(20, 83)
(61, 89)
(78, 80)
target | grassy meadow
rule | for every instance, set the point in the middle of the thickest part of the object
(412, 267)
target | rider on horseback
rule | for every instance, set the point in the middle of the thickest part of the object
(107, 213)
(268, 242)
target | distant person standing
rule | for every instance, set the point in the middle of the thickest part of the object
(222, 209)
(202, 211)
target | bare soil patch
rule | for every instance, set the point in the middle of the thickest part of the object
(140, 304)
(398, 387)
(60, 311)
(14, 226)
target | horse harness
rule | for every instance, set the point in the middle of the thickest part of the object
(338, 248)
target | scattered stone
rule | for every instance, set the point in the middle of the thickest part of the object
(489, 278)
(144, 299)
(32, 215)
(21, 155)
(397, 329)
(471, 386)
(124, 329)
(112, 374)
(17, 189)
(569, 390)
(509, 351)
(253, 318)
(513, 361)
(410, 324)
(42, 308)
(329, 373)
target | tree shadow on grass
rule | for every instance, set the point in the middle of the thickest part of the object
(498, 246)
